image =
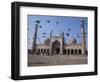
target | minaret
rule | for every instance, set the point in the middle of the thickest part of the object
(35, 36)
(34, 40)
(83, 37)
(62, 46)
(50, 46)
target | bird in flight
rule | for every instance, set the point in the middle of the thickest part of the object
(40, 26)
(69, 29)
(43, 33)
(37, 21)
(57, 22)
(67, 34)
(48, 21)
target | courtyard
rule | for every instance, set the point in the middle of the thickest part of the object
(39, 60)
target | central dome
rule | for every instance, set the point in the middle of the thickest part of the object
(72, 41)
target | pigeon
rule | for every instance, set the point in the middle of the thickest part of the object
(40, 26)
(57, 22)
(48, 21)
(43, 33)
(38, 21)
(67, 34)
(69, 29)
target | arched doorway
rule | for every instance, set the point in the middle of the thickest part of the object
(80, 52)
(75, 51)
(56, 47)
(72, 51)
(68, 51)
(57, 50)
(64, 51)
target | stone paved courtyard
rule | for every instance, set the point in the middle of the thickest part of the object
(37, 60)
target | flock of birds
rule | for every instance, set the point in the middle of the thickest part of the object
(48, 21)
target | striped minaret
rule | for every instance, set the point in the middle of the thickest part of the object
(83, 37)
(50, 47)
(34, 40)
(35, 36)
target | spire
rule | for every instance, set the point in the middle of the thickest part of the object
(83, 37)
(37, 22)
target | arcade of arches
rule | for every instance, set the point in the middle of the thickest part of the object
(57, 50)
(56, 46)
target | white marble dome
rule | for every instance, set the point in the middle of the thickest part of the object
(72, 41)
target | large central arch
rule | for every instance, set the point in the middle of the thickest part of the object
(56, 47)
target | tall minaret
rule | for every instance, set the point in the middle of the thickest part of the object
(34, 40)
(50, 46)
(35, 36)
(62, 46)
(83, 37)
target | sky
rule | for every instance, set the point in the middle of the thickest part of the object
(58, 24)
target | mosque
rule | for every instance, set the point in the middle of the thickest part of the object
(55, 45)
